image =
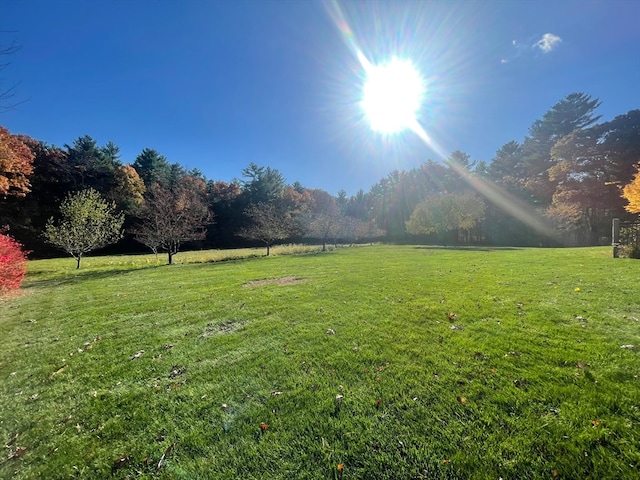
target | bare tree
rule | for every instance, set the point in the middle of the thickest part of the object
(268, 224)
(173, 216)
(7, 94)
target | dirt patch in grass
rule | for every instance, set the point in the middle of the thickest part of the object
(220, 328)
(289, 280)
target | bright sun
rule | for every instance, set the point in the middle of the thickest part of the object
(392, 95)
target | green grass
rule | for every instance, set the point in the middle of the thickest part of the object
(529, 379)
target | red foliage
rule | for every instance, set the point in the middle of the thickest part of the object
(13, 263)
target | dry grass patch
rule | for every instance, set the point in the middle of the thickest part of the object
(288, 280)
(220, 328)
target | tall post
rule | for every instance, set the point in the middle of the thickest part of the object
(615, 236)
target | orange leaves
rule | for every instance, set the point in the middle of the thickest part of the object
(264, 427)
(16, 164)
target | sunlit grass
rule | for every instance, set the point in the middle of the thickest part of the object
(393, 362)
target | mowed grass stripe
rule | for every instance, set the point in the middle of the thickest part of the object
(395, 362)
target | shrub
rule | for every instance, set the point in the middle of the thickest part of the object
(13, 263)
(630, 251)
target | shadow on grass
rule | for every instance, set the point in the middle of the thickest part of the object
(78, 276)
(468, 248)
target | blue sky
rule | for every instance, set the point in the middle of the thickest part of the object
(216, 85)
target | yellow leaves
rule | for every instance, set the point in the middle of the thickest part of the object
(631, 193)
(340, 467)
(462, 400)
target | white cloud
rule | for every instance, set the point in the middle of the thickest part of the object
(548, 42)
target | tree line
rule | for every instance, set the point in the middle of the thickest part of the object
(561, 185)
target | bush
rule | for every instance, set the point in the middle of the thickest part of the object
(630, 251)
(13, 263)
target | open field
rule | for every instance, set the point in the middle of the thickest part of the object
(370, 362)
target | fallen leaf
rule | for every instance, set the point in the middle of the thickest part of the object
(164, 455)
(628, 347)
(18, 452)
(120, 462)
(595, 423)
(331, 331)
(138, 355)
(275, 394)
(340, 467)
(264, 427)
(554, 473)
(452, 316)
(60, 370)
(462, 400)
(520, 382)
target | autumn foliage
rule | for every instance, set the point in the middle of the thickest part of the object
(632, 193)
(16, 164)
(13, 264)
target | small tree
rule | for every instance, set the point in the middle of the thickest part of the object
(446, 213)
(268, 224)
(173, 216)
(87, 222)
(13, 264)
(324, 217)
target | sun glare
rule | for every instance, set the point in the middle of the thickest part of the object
(392, 95)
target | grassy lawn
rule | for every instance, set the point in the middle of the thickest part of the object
(370, 362)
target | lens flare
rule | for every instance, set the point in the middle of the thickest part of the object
(392, 95)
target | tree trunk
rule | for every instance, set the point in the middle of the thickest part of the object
(78, 264)
(267, 250)
(170, 253)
